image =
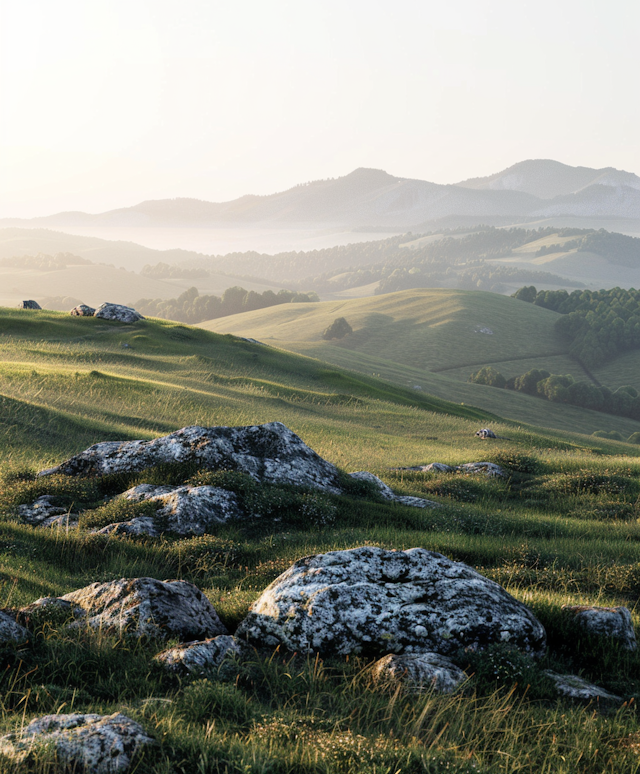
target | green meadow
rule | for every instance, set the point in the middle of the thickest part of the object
(561, 528)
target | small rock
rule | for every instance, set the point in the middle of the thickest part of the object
(49, 610)
(419, 672)
(12, 633)
(100, 744)
(372, 600)
(118, 312)
(146, 491)
(486, 433)
(489, 469)
(82, 310)
(437, 467)
(574, 687)
(148, 607)
(199, 657)
(612, 622)
(31, 304)
(40, 510)
(388, 494)
(139, 525)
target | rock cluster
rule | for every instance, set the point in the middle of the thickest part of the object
(100, 744)
(489, 469)
(372, 600)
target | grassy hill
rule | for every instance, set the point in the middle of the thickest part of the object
(562, 529)
(433, 339)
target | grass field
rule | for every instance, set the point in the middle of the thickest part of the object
(431, 338)
(563, 528)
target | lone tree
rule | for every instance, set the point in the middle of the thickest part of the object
(337, 330)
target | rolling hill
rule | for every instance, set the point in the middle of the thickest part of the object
(433, 340)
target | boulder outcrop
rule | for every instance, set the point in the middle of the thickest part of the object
(118, 312)
(419, 672)
(196, 658)
(372, 600)
(100, 744)
(271, 453)
(610, 622)
(146, 607)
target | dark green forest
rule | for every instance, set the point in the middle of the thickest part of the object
(190, 307)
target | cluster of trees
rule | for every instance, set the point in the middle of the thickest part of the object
(44, 262)
(190, 307)
(624, 402)
(601, 324)
(338, 329)
(166, 271)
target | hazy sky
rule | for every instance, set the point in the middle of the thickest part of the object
(104, 103)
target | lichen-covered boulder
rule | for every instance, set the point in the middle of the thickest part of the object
(82, 310)
(40, 511)
(574, 687)
(371, 600)
(486, 432)
(31, 304)
(49, 610)
(436, 467)
(118, 312)
(11, 632)
(148, 607)
(196, 658)
(610, 622)
(271, 453)
(418, 672)
(100, 744)
(387, 493)
(139, 525)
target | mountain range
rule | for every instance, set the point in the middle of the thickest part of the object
(525, 192)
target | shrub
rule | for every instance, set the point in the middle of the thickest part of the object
(489, 376)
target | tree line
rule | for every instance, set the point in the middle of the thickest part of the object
(190, 307)
(624, 401)
(601, 324)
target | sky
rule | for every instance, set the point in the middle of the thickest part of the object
(104, 104)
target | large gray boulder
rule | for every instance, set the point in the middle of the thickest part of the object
(372, 600)
(100, 744)
(146, 607)
(30, 304)
(270, 453)
(418, 672)
(609, 622)
(118, 312)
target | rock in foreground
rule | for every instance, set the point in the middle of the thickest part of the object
(372, 600)
(419, 672)
(100, 744)
(271, 453)
(118, 312)
(146, 607)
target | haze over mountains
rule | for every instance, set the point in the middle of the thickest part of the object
(528, 191)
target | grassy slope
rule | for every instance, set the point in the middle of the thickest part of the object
(69, 382)
(429, 338)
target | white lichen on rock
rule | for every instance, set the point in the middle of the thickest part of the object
(100, 744)
(148, 607)
(118, 312)
(371, 600)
